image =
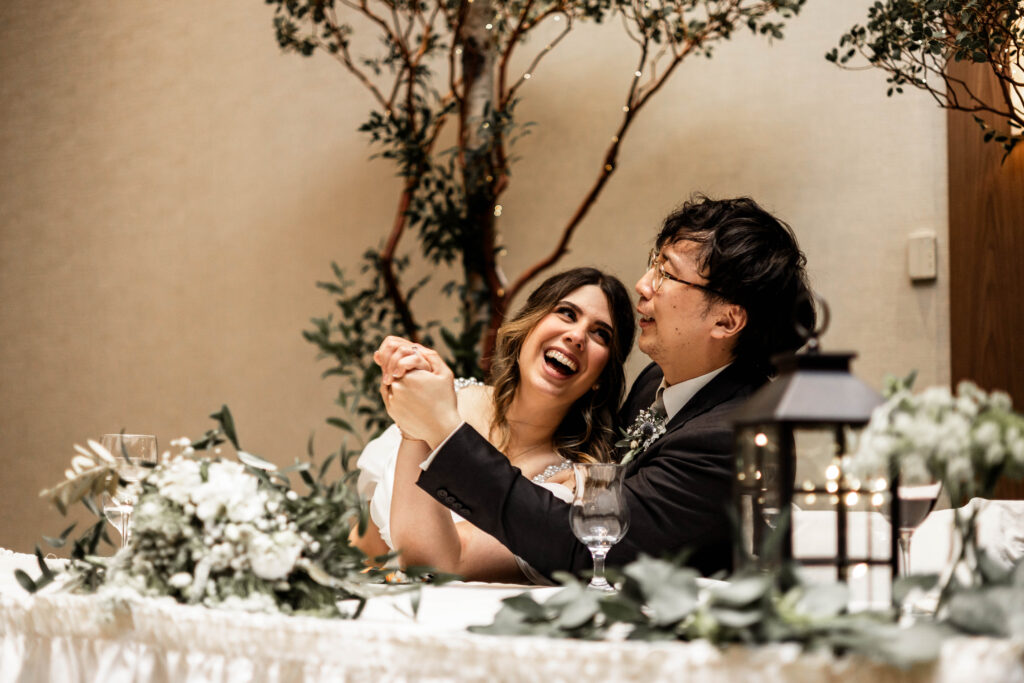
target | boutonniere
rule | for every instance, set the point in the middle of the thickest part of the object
(644, 431)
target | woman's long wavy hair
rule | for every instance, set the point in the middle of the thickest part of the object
(590, 428)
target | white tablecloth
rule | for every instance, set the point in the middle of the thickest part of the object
(60, 637)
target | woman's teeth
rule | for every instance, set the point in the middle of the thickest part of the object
(567, 364)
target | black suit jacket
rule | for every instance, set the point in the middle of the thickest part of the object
(678, 490)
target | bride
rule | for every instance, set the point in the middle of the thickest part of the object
(556, 383)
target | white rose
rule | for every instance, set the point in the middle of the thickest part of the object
(180, 580)
(273, 557)
(178, 479)
(1000, 400)
(960, 469)
(995, 454)
(987, 434)
(244, 509)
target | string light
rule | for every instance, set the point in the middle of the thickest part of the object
(526, 77)
(489, 26)
(852, 498)
(638, 74)
(761, 439)
(625, 108)
(497, 210)
(877, 500)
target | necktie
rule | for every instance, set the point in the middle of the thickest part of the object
(658, 407)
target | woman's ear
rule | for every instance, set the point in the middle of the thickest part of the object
(730, 319)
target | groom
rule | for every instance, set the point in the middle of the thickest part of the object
(717, 301)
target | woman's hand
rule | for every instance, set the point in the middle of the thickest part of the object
(418, 390)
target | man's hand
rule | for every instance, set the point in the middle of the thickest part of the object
(418, 390)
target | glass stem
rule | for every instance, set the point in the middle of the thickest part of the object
(599, 554)
(905, 535)
(126, 527)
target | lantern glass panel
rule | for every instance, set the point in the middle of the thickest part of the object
(841, 529)
(760, 484)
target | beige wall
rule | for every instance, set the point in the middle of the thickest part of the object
(171, 187)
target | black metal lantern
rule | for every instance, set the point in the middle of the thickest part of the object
(794, 501)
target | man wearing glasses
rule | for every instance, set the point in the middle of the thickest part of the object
(724, 287)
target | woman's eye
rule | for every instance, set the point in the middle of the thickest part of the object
(566, 311)
(604, 336)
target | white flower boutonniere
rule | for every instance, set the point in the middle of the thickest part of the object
(645, 430)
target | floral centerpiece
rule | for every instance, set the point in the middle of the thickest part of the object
(968, 440)
(218, 532)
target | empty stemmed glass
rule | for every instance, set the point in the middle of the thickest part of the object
(599, 516)
(134, 454)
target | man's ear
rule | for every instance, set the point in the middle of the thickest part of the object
(729, 320)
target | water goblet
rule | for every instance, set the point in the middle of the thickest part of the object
(599, 516)
(134, 454)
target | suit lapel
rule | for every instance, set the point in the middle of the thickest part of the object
(717, 391)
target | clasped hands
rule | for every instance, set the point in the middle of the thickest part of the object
(418, 389)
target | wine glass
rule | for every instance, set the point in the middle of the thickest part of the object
(132, 452)
(599, 516)
(916, 501)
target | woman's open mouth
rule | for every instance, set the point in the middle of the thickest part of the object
(560, 363)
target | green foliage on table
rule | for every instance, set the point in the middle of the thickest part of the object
(446, 79)
(661, 600)
(914, 41)
(213, 531)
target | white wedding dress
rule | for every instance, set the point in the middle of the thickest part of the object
(377, 483)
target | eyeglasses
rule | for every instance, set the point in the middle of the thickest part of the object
(655, 262)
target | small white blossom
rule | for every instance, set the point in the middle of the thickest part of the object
(180, 580)
(273, 557)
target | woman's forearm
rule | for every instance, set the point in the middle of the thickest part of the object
(421, 528)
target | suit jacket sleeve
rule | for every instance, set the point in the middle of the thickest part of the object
(677, 499)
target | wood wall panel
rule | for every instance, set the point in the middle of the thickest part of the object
(986, 246)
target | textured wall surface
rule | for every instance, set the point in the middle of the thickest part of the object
(171, 187)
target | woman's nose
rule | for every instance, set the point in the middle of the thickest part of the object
(574, 336)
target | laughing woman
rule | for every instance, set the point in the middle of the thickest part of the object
(556, 383)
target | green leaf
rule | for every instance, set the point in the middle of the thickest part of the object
(736, 618)
(669, 591)
(823, 600)
(42, 564)
(227, 424)
(527, 606)
(256, 461)
(978, 613)
(340, 424)
(740, 592)
(25, 580)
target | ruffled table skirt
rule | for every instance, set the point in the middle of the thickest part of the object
(61, 637)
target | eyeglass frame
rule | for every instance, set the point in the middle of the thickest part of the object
(655, 262)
